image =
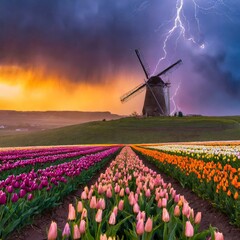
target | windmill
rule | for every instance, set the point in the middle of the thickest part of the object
(157, 98)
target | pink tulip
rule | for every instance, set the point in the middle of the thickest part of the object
(140, 227)
(136, 197)
(136, 208)
(84, 213)
(103, 237)
(165, 215)
(90, 194)
(115, 210)
(76, 232)
(84, 195)
(185, 209)
(164, 202)
(198, 218)
(189, 231)
(127, 190)
(121, 205)
(148, 193)
(98, 217)
(177, 211)
(100, 189)
(117, 189)
(79, 206)
(93, 202)
(159, 203)
(121, 193)
(131, 199)
(86, 189)
(176, 198)
(71, 212)
(109, 193)
(112, 219)
(101, 203)
(218, 236)
(82, 226)
(52, 232)
(66, 231)
(148, 225)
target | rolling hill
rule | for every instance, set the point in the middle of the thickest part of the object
(12, 122)
(133, 130)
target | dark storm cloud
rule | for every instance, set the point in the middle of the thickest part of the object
(90, 39)
(79, 39)
(219, 80)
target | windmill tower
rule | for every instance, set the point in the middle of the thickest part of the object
(157, 98)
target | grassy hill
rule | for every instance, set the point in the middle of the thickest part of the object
(133, 130)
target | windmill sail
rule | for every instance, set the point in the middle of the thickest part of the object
(127, 96)
(141, 62)
(169, 68)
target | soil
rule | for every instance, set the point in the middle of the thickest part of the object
(210, 215)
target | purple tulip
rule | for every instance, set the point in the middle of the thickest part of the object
(15, 197)
(30, 197)
(22, 193)
(9, 189)
(3, 197)
(16, 184)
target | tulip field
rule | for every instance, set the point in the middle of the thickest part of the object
(35, 179)
(210, 171)
(129, 200)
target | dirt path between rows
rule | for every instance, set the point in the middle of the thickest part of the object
(210, 216)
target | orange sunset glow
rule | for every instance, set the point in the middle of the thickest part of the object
(33, 89)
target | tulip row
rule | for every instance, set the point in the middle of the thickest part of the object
(224, 154)
(131, 201)
(26, 194)
(215, 181)
(16, 154)
(47, 159)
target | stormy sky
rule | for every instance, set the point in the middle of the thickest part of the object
(87, 48)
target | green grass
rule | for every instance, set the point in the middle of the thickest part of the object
(133, 130)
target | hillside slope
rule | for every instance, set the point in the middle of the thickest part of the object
(133, 130)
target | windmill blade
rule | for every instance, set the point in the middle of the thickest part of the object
(141, 62)
(127, 96)
(170, 67)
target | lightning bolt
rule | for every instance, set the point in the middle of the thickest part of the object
(178, 27)
(175, 106)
